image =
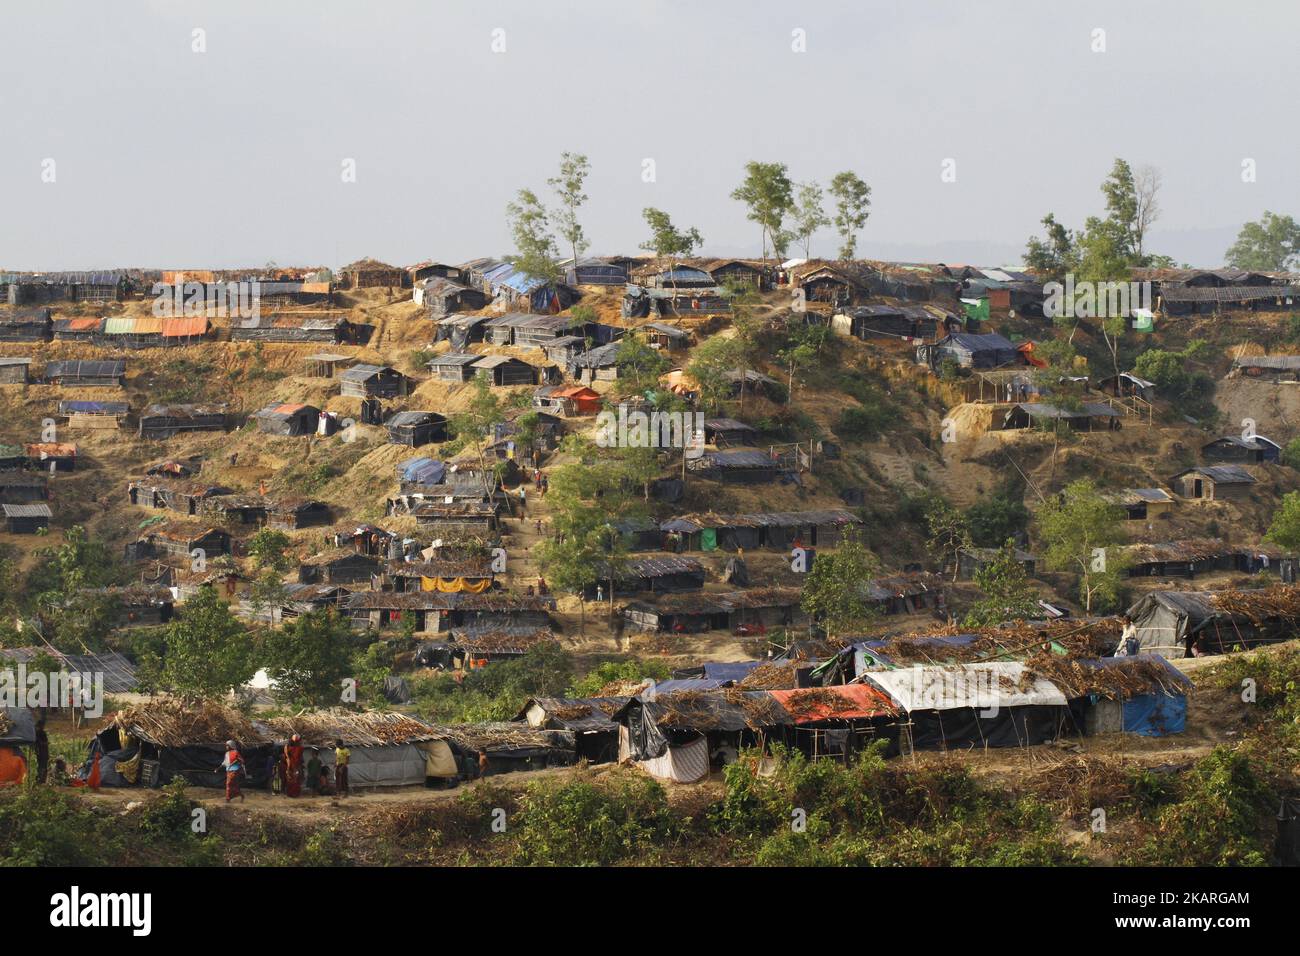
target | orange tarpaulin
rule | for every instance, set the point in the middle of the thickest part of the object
(13, 768)
(455, 585)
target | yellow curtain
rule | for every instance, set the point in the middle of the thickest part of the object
(455, 585)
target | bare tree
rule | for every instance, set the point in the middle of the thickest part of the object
(1146, 186)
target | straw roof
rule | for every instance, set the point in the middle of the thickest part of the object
(355, 728)
(176, 722)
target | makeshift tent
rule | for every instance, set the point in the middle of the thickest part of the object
(996, 704)
(1178, 624)
(387, 748)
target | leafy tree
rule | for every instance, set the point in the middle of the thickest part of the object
(835, 591)
(711, 363)
(1190, 391)
(535, 250)
(852, 207)
(1284, 530)
(665, 239)
(610, 671)
(948, 531)
(803, 348)
(207, 651)
(769, 194)
(1270, 245)
(1008, 595)
(638, 363)
(1054, 255)
(995, 519)
(588, 499)
(568, 187)
(809, 215)
(309, 658)
(475, 425)
(1291, 453)
(1081, 531)
(270, 549)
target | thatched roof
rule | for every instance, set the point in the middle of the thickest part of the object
(174, 722)
(355, 728)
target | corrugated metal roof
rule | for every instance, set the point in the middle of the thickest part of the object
(37, 510)
(185, 326)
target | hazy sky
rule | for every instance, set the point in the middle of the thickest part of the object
(233, 157)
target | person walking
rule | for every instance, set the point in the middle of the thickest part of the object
(233, 764)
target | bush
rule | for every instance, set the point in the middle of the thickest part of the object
(580, 823)
(1219, 820)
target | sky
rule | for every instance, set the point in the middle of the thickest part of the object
(121, 145)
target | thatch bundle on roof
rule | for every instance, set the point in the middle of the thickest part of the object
(177, 722)
(1265, 604)
(771, 675)
(1117, 679)
(355, 728)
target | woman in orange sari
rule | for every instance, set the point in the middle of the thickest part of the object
(293, 767)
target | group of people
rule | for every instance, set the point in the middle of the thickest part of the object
(287, 772)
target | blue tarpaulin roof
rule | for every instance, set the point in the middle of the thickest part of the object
(729, 670)
(424, 471)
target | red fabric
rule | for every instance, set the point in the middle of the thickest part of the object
(232, 784)
(293, 773)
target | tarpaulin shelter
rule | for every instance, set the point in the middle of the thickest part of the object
(838, 721)
(595, 733)
(674, 736)
(185, 738)
(420, 471)
(1178, 624)
(287, 418)
(510, 746)
(993, 704)
(1144, 695)
(17, 726)
(388, 749)
(416, 428)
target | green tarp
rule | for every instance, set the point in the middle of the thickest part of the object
(709, 539)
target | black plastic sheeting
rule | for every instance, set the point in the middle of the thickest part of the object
(963, 727)
(645, 739)
(196, 763)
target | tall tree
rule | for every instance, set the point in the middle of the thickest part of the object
(535, 250)
(476, 425)
(1122, 206)
(710, 366)
(568, 187)
(835, 590)
(309, 658)
(769, 194)
(1008, 595)
(1054, 255)
(665, 238)
(1270, 245)
(207, 651)
(1284, 530)
(1081, 531)
(1146, 187)
(852, 207)
(949, 532)
(809, 215)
